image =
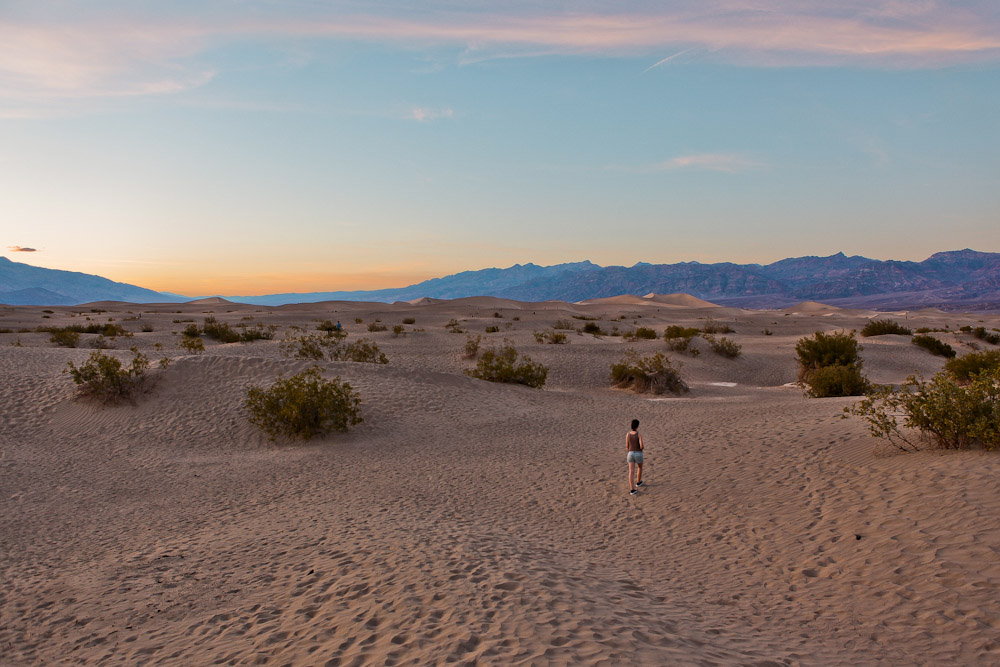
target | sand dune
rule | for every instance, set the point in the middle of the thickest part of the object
(679, 299)
(473, 523)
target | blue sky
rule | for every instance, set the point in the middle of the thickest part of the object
(251, 147)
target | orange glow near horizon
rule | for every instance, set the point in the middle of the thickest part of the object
(211, 285)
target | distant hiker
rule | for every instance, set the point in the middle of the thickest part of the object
(339, 327)
(634, 447)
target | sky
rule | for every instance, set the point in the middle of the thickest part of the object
(245, 147)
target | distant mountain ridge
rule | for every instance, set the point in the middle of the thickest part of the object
(955, 279)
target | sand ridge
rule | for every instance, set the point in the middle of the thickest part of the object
(475, 523)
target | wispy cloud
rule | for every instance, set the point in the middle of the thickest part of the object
(424, 114)
(117, 48)
(730, 163)
(17, 248)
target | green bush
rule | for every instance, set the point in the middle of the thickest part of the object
(109, 330)
(192, 345)
(257, 332)
(472, 346)
(982, 334)
(653, 374)
(724, 347)
(191, 331)
(307, 346)
(883, 327)
(303, 406)
(965, 368)
(492, 329)
(563, 324)
(839, 349)
(65, 338)
(840, 353)
(398, 330)
(713, 327)
(830, 381)
(106, 379)
(947, 414)
(220, 331)
(934, 346)
(504, 365)
(640, 333)
(409, 320)
(363, 351)
(679, 339)
(375, 326)
(593, 328)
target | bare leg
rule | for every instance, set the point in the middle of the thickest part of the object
(639, 477)
(631, 475)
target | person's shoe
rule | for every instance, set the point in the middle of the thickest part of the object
(632, 492)
(638, 483)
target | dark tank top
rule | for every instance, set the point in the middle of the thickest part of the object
(633, 442)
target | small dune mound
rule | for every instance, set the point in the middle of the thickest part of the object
(679, 299)
(620, 300)
(213, 301)
(424, 301)
(812, 307)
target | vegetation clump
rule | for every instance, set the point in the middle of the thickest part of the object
(65, 337)
(655, 374)
(884, 327)
(220, 331)
(327, 346)
(963, 369)
(593, 328)
(713, 327)
(679, 339)
(934, 346)
(107, 379)
(942, 411)
(492, 329)
(505, 365)
(109, 330)
(375, 326)
(398, 330)
(982, 334)
(563, 324)
(830, 365)
(550, 337)
(304, 406)
(640, 333)
(453, 326)
(472, 346)
(192, 345)
(409, 320)
(724, 347)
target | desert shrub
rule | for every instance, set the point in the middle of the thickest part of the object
(307, 346)
(724, 347)
(551, 337)
(409, 320)
(358, 320)
(654, 374)
(563, 324)
(192, 345)
(303, 406)
(106, 379)
(363, 351)
(220, 331)
(593, 328)
(982, 334)
(713, 327)
(821, 350)
(492, 329)
(472, 346)
(497, 314)
(883, 327)
(109, 330)
(942, 411)
(964, 368)
(505, 365)
(375, 326)
(101, 343)
(585, 318)
(640, 333)
(326, 325)
(679, 339)
(65, 338)
(837, 352)
(768, 332)
(146, 327)
(256, 332)
(453, 326)
(192, 331)
(398, 330)
(934, 346)
(829, 381)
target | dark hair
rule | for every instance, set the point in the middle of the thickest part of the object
(635, 424)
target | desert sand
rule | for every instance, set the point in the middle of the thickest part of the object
(475, 523)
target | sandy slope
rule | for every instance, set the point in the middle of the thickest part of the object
(471, 523)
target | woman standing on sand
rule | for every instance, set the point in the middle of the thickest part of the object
(634, 446)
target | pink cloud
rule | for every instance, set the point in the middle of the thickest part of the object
(119, 51)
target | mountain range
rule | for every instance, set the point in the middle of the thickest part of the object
(961, 279)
